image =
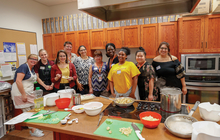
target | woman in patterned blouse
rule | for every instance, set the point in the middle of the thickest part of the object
(147, 90)
(82, 64)
(98, 75)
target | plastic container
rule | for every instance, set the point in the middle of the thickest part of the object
(150, 124)
(49, 99)
(62, 103)
(209, 112)
(39, 99)
(93, 108)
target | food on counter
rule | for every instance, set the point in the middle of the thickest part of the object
(125, 131)
(87, 97)
(110, 132)
(124, 101)
(108, 128)
(181, 127)
(80, 108)
(150, 118)
(109, 122)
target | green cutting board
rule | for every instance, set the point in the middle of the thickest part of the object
(114, 127)
(54, 119)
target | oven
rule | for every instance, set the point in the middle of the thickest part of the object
(202, 77)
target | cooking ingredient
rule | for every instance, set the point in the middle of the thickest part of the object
(181, 127)
(125, 131)
(80, 108)
(150, 118)
(110, 132)
(39, 99)
(108, 128)
(56, 119)
(124, 100)
(109, 122)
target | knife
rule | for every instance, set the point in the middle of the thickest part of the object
(100, 117)
(42, 115)
(137, 131)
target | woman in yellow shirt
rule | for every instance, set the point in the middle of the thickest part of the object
(123, 76)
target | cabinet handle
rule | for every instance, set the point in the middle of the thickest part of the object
(202, 44)
(206, 44)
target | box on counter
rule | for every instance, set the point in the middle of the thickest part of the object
(75, 22)
(48, 26)
(44, 25)
(57, 24)
(52, 25)
(61, 24)
(70, 23)
(65, 23)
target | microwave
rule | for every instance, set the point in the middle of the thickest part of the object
(201, 64)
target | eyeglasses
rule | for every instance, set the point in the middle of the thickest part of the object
(82, 50)
(69, 47)
(33, 59)
(164, 48)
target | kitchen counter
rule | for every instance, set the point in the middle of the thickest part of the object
(88, 124)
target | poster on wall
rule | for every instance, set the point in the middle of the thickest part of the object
(22, 59)
(2, 58)
(9, 51)
(33, 49)
(21, 48)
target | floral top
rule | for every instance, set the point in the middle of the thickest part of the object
(147, 72)
(82, 69)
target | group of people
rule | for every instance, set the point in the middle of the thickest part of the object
(86, 74)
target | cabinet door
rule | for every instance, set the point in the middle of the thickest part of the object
(191, 34)
(168, 33)
(83, 39)
(48, 46)
(131, 36)
(58, 42)
(113, 35)
(71, 36)
(97, 38)
(212, 34)
(149, 39)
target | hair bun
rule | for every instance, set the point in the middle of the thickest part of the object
(141, 48)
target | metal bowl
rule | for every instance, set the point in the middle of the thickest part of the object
(124, 105)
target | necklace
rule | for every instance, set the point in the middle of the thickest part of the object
(139, 66)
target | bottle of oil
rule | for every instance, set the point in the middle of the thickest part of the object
(39, 99)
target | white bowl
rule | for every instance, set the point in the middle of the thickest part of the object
(66, 93)
(93, 108)
(77, 109)
(49, 99)
(209, 112)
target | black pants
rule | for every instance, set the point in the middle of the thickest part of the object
(85, 90)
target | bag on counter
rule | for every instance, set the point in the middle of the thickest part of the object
(4, 85)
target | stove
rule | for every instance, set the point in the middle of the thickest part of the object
(133, 111)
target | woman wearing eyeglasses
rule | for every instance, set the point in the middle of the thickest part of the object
(23, 87)
(82, 64)
(168, 68)
(63, 73)
(43, 69)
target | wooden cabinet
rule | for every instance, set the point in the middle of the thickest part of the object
(191, 34)
(149, 39)
(212, 34)
(48, 45)
(131, 36)
(97, 38)
(83, 38)
(113, 35)
(168, 33)
(58, 42)
(71, 36)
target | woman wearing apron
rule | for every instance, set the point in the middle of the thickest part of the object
(123, 76)
(42, 69)
(23, 87)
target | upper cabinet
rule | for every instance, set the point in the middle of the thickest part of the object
(191, 34)
(83, 38)
(212, 33)
(131, 36)
(168, 33)
(59, 39)
(97, 38)
(48, 46)
(113, 35)
(149, 39)
(71, 36)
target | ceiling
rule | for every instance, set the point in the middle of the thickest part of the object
(53, 2)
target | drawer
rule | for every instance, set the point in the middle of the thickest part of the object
(1, 131)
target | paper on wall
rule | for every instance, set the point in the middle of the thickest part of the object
(33, 48)
(21, 48)
(2, 58)
(9, 52)
(6, 70)
(22, 59)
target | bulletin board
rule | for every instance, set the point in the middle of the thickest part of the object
(16, 36)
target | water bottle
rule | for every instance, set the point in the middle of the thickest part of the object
(39, 99)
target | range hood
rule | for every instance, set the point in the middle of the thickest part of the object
(113, 10)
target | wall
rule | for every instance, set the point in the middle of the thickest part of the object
(23, 15)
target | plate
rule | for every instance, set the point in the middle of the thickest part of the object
(64, 77)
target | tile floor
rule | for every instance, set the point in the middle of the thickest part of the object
(25, 135)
